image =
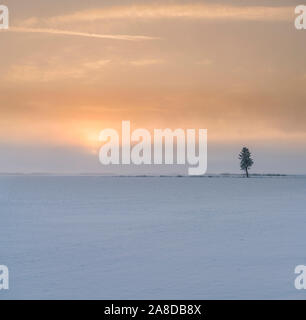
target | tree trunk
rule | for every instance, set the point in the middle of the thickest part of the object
(247, 173)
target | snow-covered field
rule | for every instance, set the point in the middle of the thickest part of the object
(152, 238)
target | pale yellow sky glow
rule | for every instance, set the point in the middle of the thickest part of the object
(69, 70)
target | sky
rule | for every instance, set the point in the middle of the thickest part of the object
(72, 68)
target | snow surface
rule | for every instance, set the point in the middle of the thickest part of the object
(152, 238)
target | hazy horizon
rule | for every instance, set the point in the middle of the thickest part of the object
(70, 69)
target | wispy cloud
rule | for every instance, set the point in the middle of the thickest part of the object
(188, 11)
(53, 70)
(81, 34)
(146, 62)
(94, 65)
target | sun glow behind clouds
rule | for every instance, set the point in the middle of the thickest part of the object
(91, 140)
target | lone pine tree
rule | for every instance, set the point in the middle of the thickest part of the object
(246, 161)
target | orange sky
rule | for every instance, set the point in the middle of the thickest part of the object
(70, 69)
